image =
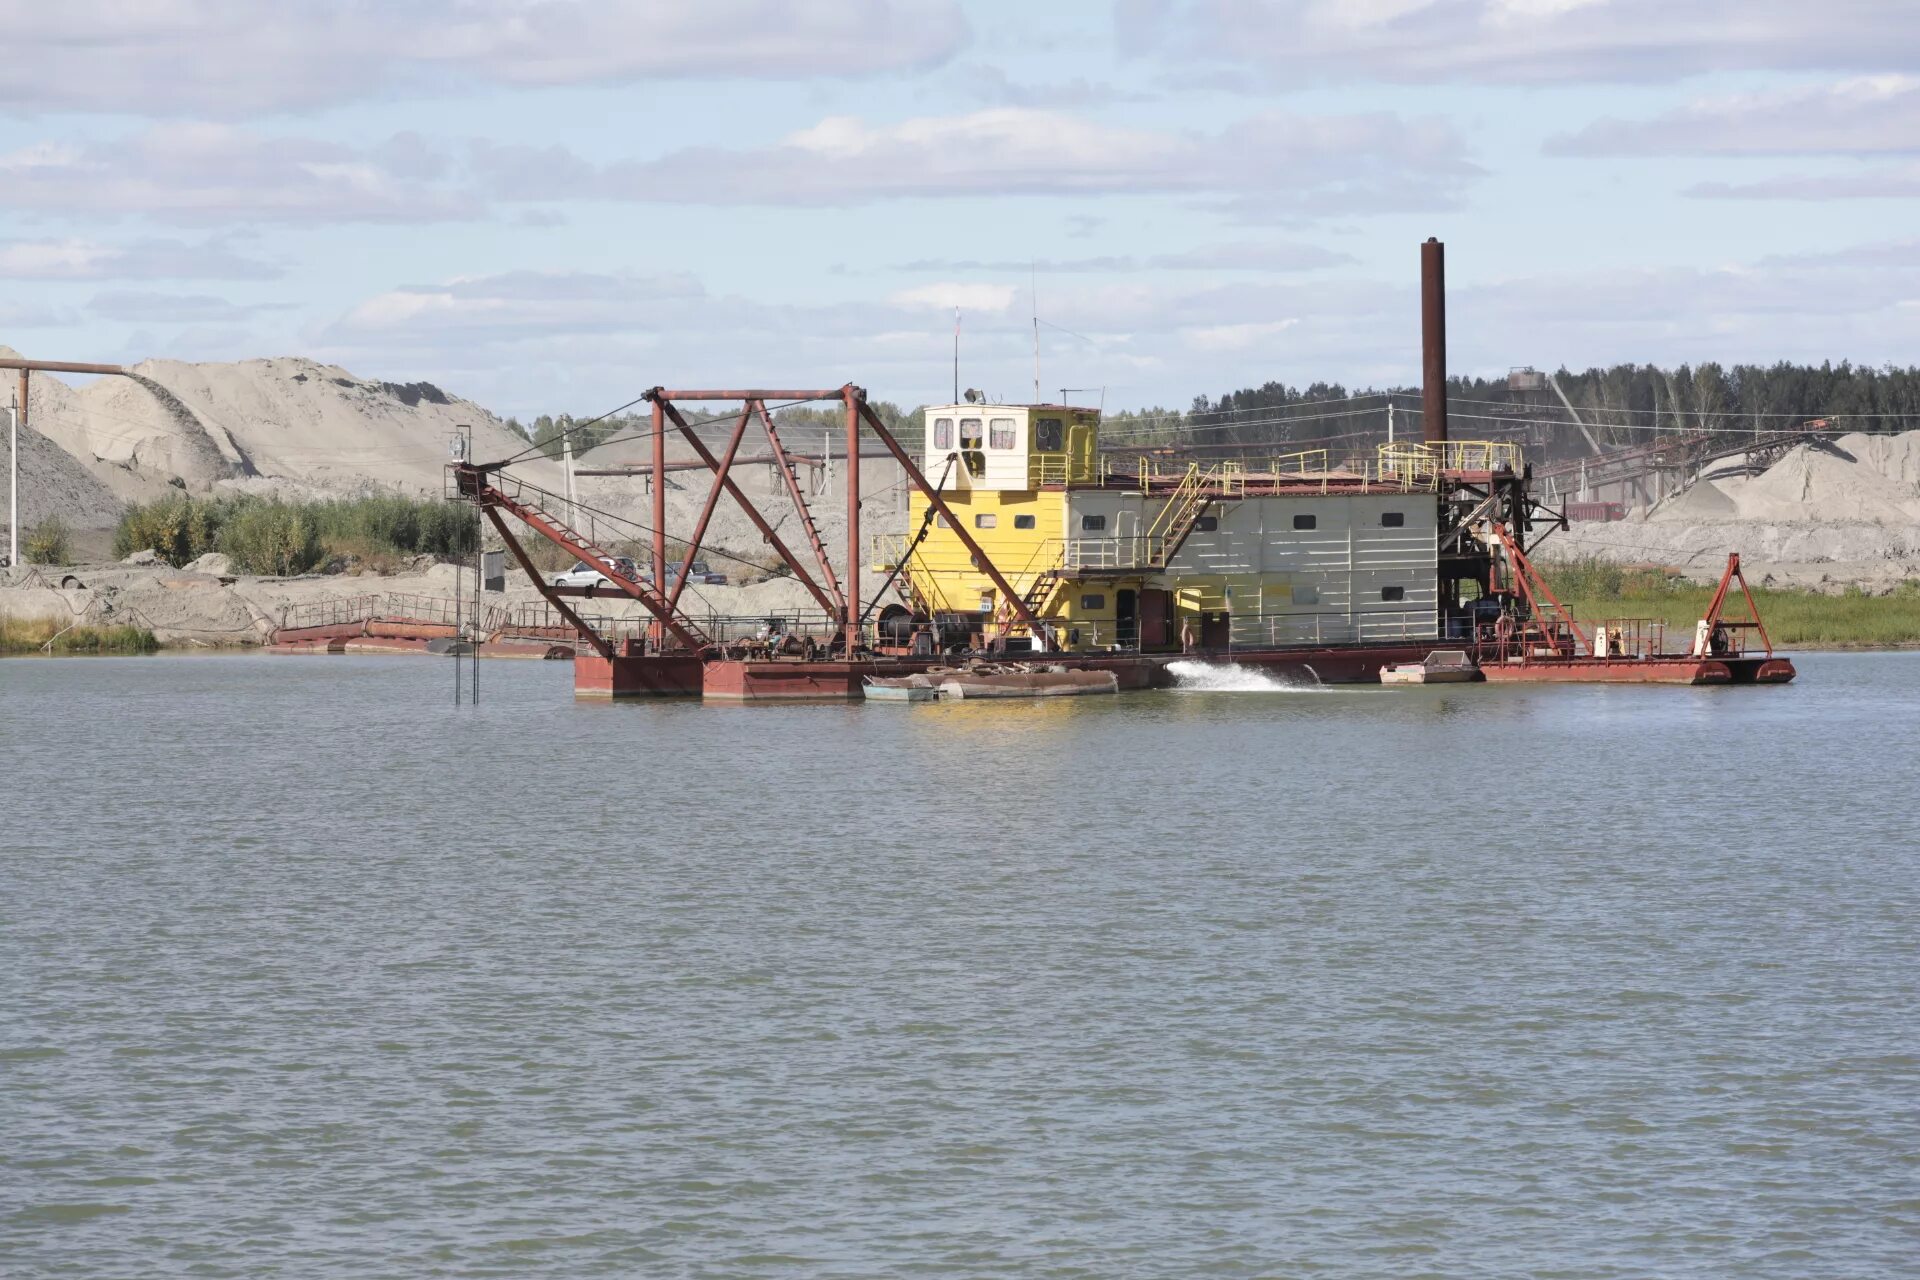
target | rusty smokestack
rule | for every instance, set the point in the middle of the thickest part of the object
(1433, 341)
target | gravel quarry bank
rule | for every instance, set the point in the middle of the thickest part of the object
(1839, 513)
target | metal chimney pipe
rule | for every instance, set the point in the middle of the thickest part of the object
(1433, 341)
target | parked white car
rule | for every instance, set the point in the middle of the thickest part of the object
(585, 574)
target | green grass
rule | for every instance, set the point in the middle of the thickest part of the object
(30, 635)
(1597, 591)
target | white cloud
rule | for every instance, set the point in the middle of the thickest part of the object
(968, 297)
(1888, 182)
(141, 307)
(1238, 337)
(1273, 257)
(150, 259)
(210, 173)
(526, 303)
(1864, 115)
(1275, 163)
(1527, 41)
(231, 58)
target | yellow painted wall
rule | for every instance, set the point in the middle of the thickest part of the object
(942, 567)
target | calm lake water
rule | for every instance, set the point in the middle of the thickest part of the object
(306, 972)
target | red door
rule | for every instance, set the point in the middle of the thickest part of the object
(1156, 618)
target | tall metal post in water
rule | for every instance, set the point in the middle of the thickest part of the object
(852, 394)
(1433, 341)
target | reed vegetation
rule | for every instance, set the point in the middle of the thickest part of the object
(32, 635)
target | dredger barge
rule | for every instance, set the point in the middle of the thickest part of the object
(1025, 543)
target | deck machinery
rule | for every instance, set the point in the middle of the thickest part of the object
(1023, 538)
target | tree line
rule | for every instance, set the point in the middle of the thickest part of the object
(1620, 405)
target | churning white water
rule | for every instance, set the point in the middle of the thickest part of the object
(1231, 677)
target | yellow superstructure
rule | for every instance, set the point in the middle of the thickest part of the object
(1185, 558)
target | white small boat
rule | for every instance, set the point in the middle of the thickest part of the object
(903, 690)
(1442, 666)
(984, 680)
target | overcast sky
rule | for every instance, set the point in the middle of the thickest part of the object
(550, 206)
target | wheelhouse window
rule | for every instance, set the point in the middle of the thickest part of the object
(943, 433)
(1393, 594)
(1093, 601)
(970, 451)
(1306, 595)
(1306, 522)
(1093, 524)
(986, 520)
(1050, 435)
(1023, 522)
(1000, 433)
(1393, 519)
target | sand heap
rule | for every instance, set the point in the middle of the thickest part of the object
(1844, 512)
(1855, 479)
(53, 483)
(284, 421)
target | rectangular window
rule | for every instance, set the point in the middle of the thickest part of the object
(1050, 435)
(1095, 601)
(943, 433)
(1393, 593)
(1000, 433)
(1393, 519)
(985, 520)
(969, 433)
(1306, 595)
(1206, 524)
(1023, 522)
(942, 522)
(1306, 522)
(1092, 524)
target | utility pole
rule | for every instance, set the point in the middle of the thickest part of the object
(566, 460)
(13, 486)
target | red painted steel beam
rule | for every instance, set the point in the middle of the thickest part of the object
(659, 499)
(781, 460)
(834, 393)
(519, 553)
(1529, 580)
(919, 481)
(753, 513)
(706, 512)
(752, 459)
(558, 534)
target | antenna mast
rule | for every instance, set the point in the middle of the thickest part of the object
(1034, 285)
(956, 356)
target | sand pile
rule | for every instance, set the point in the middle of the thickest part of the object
(1855, 479)
(53, 483)
(318, 428)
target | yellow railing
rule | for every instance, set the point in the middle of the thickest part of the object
(1298, 464)
(1405, 458)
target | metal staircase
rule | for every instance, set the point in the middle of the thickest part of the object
(1176, 520)
(783, 463)
(552, 528)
